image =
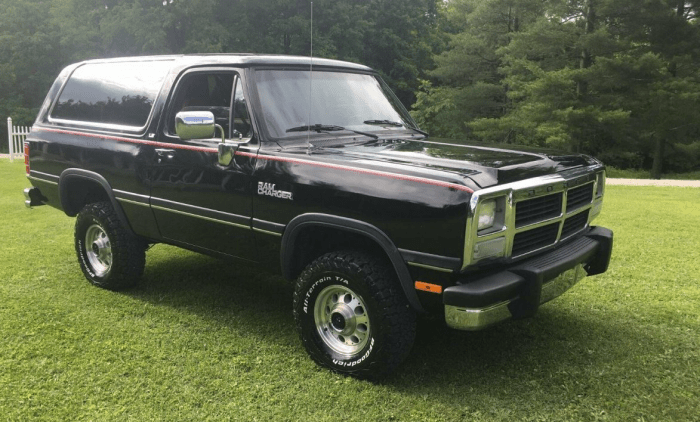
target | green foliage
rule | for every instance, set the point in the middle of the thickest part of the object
(38, 38)
(467, 74)
(635, 173)
(29, 61)
(614, 78)
(606, 77)
(445, 112)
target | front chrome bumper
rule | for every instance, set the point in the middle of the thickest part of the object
(517, 291)
(477, 318)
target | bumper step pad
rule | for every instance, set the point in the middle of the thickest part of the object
(519, 290)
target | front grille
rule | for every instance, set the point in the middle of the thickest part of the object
(579, 197)
(537, 209)
(574, 224)
(534, 239)
(534, 215)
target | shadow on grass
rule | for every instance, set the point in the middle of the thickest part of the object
(558, 356)
(229, 293)
(541, 354)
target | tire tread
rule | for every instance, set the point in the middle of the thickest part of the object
(128, 251)
(396, 316)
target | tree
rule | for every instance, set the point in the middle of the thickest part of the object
(397, 38)
(548, 68)
(611, 77)
(467, 83)
(29, 60)
(39, 37)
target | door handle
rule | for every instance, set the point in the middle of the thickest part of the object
(164, 154)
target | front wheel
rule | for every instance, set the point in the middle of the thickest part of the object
(109, 256)
(352, 316)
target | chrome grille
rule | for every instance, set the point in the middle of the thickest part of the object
(579, 197)
(537, 209)
(534, 239)
(535, 214)
(574, 224)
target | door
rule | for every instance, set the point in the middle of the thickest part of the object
(198, 203)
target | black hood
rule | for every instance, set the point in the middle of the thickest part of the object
(485, 164)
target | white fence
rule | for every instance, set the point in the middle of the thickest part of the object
(15, 138)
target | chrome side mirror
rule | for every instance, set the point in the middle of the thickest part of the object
(195, 124)
(201, 125)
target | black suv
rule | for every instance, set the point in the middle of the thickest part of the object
(313, 169)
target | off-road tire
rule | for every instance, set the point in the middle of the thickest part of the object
(369, 284)
(119, 268)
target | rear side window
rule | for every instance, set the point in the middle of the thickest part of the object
(111, 93)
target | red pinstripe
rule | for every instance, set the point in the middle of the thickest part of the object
(133, 141)
(361, 171)
(389, 175)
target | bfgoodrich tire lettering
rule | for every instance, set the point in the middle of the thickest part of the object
(109, 256)
(352, 316)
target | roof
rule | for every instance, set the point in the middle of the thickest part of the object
(240, 59)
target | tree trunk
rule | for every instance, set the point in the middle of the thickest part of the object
(586, 59)
(680, 8)
(657, 165)
(513, 20)
(287, 41)
(660, 147)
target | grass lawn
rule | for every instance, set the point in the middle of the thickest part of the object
(203, 340)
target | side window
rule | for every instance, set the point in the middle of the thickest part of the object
(204, 92)
(241, 118)
(111, 93)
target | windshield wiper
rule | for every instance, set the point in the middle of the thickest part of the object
(392, 123)
(422, 132)
(382, 122)
(328, 128)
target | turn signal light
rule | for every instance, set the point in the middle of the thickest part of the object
(427, 287)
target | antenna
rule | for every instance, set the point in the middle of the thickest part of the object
(311, 75)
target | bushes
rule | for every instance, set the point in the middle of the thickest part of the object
(678, 158)
(683, 158)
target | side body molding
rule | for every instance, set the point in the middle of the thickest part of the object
(73, 173)
(299, 223)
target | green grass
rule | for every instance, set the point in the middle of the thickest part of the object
(203, 339)
(646, 174)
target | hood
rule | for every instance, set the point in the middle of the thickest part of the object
(485, 164)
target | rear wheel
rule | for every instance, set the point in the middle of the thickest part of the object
(352, 316)
(109, 255)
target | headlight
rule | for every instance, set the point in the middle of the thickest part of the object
(487, 214)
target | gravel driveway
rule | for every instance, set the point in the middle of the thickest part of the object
(650, 182)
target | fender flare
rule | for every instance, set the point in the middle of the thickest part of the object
(299, 223)
(74, 173)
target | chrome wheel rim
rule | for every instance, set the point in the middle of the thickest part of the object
(98, 250)
(341, 320)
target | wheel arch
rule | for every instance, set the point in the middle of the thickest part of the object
(290, 250)
(78, 187)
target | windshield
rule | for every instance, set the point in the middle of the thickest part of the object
(340, 101)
